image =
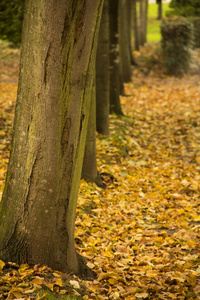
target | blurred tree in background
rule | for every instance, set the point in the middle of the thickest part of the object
(185, 8)
(11, 17)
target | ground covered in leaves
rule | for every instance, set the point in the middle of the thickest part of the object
(141, 234)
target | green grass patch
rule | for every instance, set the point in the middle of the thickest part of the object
(153, 29)
(45, 294)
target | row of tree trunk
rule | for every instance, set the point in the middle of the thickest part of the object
(61, 82)
(113, 68)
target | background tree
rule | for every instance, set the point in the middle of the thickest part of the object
(115, 88)
(37, 211)
(129, 21)
(89, 169)
(141, 22)
(124, 41)
(185, 8)
(146, 4)
(135, 26)
(102, 74)
(11, 17)
(159, 2)
(143, 12)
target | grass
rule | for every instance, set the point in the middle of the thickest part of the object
(153, 29)
(45, 294)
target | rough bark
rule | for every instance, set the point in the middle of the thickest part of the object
(115, 106)
(37, 211)
(124, 49)
(102, 74)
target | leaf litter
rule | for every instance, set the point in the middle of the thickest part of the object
(141, 235)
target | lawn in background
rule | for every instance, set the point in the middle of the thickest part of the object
(153, 29)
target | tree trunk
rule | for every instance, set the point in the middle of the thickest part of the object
(129, 28)
(89, 170)
(159, 2)
(125, 58)
(115, 106)
(102, 74)
(145, 20)
(135, 26)
(37, 211)
(141, 26)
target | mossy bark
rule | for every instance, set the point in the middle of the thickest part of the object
(37, 211)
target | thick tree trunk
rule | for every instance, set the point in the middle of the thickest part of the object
(125, 58)
(37, 211)
(115, 106)
(102, 74)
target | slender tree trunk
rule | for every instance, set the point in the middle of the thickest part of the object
(129, 28)
(102, 74)
(115, 106)
(141, 26)
(125, 58)
(37, 211)
(159, 2)
(145, 20)
(89, 169)
(135, 27)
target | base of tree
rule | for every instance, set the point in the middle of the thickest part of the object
(84, 271)
(97, 180)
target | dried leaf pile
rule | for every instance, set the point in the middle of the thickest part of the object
(141, 234)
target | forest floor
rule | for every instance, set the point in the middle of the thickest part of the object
(141, 235)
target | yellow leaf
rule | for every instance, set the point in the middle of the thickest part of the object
(112, 281)
(142, 295)
(108, 254)
(2, 264)
(57, 274)
(103, 276)
(90, 265)
(93, 287)
(24, 266)
(30, 291)
(49, 285)
(59, 282)
(38, 280)
(16, 294)
(177, 196)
